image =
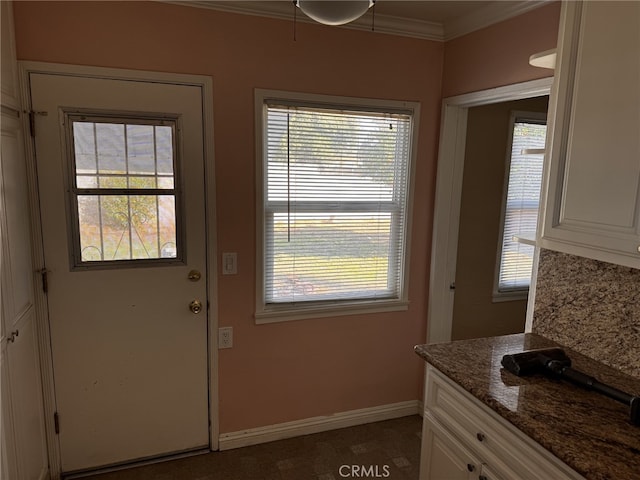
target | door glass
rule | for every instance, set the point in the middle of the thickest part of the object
(124, 190)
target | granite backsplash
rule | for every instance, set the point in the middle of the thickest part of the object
(590, 306)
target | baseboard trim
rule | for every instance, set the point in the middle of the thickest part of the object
(280, 431)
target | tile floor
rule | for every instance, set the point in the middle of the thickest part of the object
(388, 449)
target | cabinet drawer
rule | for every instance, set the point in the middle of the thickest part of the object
(444, 457)
(506, 449)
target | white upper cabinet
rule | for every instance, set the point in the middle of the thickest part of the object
(592, 182)
(8, 71)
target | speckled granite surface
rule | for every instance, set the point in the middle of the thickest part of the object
(590, 306)
(588, 431)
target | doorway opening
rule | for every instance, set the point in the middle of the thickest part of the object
(500, 197)
(446, 225)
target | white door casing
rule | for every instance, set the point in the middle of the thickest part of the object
(453, 129)
(130, 360)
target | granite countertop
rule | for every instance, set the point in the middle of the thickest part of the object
(588, 431)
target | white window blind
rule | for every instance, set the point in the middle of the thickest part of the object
(335, 203)
(521, 205)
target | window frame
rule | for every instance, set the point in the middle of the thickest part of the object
(269, 313)
(73, 191)
(519, 293)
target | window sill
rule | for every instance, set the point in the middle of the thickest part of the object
(287, 313)
(499, 297)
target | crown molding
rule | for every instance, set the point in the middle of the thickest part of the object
(488, 15)
(284, 11)
(406, 27)
(279, 10)
(494, 12)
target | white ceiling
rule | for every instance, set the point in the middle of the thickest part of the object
(431, 19)
(431, 11)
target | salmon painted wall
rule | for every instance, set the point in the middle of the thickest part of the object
(499, 54)
(294, 370)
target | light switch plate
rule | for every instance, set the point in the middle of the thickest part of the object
(229, 263)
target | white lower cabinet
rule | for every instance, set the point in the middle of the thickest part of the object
(26, 457)
(462, 439)
(8, 470)
(487, 473)
(443, 456)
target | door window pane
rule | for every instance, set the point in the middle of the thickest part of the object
(124, 193)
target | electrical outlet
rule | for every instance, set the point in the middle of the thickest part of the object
(225, 337)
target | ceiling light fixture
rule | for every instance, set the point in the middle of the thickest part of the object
(334, 12)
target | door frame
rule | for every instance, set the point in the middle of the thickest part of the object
(205, 83)
(446, 218)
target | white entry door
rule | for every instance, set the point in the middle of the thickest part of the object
(121, 181)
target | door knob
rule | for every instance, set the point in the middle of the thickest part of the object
(195, 306)
(194, 275)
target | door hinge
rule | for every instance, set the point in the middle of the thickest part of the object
(56, 423)
(32, 120)
(45, 280)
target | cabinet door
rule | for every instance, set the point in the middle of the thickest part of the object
(487, 474)
(26, 402)
(22, 424)
(8, 459)
(593, 197)
(443, 457)
(8, 73)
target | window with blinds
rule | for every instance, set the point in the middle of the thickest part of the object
(521, 203)
(335, 181)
